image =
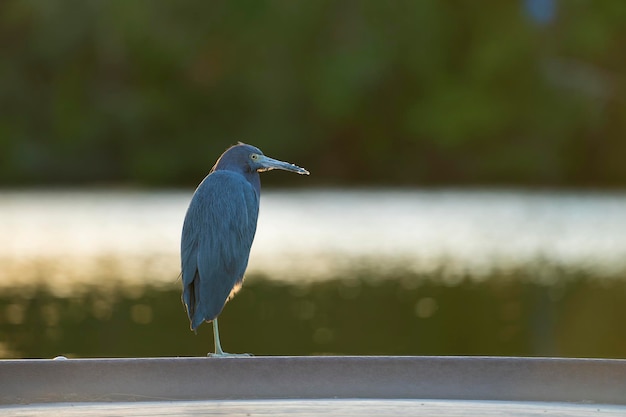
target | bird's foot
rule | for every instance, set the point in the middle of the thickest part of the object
(229, 355)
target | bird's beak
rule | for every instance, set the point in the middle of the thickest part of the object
(268, 164)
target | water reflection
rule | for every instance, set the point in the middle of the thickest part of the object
(83, 237)
(454, 231)
(495, 316)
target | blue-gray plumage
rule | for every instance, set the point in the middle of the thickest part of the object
(218, 231)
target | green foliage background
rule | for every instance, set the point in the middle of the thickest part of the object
(391, 92)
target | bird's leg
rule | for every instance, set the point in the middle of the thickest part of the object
(218, 346)
(216, 338)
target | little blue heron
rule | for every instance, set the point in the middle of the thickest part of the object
(218, 232)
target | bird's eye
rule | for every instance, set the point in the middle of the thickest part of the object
(254, 157)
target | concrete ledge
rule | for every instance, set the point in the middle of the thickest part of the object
(379, 377)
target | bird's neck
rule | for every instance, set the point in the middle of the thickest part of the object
(255, 180)
(252, 177)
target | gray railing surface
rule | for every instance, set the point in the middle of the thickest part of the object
(322, 377)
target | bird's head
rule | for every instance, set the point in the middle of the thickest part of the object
(249, 159)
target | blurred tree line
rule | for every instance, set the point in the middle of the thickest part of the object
(360, 92)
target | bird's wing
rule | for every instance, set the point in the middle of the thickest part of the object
(217, 235)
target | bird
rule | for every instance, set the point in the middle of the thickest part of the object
(218, 231)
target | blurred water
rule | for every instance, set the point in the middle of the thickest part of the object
(65, 237)
(94, 273)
